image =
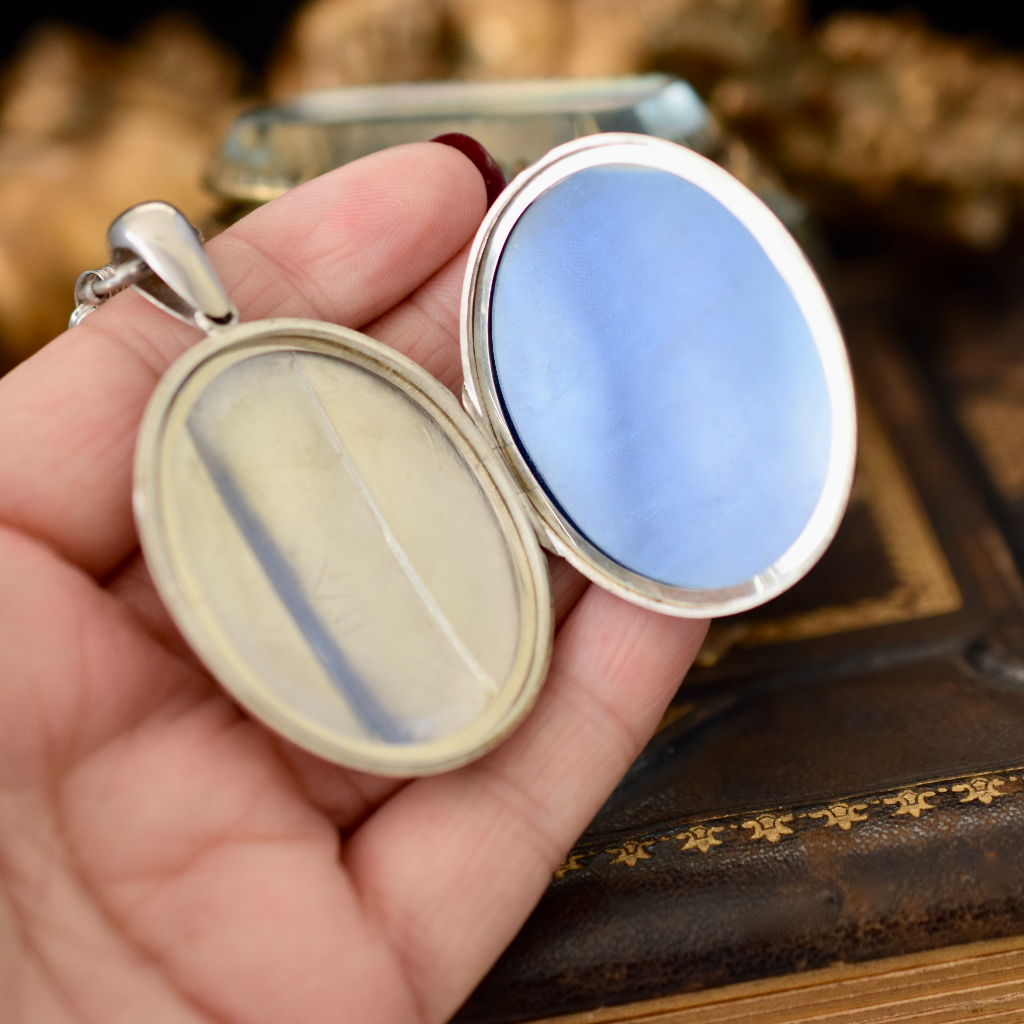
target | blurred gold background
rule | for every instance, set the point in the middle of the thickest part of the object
(866, 118)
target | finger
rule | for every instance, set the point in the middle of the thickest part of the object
(192, 837)
(133, 585)
(59, 700)
(567, 587)
(347, 797)
(344, 248)
(489, 836)
(426, 325)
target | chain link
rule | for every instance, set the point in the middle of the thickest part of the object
(94, 287)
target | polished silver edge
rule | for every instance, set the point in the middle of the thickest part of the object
(481, 394)
(172, 270)
(437, 401)
(518, 97)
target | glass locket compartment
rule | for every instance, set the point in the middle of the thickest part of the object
(799, 384)
(341, 547)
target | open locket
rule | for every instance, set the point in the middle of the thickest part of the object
(655, 389)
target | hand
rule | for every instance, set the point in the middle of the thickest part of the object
(165, 859)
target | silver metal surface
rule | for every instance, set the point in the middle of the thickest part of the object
(482, 400)
(94, 287)
(270, 150)
(87, 298)
(341, 547)
(157, 251)
(181, 281)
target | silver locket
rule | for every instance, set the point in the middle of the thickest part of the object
(655, 389)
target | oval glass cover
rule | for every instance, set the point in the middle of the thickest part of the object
(657, 360)
(341, 547)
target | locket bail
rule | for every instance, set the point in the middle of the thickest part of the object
(155, 249)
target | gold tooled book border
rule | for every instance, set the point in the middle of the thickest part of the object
(704, 835)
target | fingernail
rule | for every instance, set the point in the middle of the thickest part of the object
(494, 179)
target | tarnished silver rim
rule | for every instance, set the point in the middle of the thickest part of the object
(227, 666)
(481, 394)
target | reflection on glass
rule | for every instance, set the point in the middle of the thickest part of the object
(346, 548)
(660, 376)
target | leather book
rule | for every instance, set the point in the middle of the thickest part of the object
(840, 779)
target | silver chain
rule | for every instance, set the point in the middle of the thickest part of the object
(94, 287)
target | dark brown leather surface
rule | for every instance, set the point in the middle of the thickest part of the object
(842, 778)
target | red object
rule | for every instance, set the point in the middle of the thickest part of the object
(494, 178)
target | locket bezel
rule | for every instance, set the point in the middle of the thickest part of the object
(481, 394)
(226, 665)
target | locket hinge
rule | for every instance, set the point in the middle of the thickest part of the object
(154, 249)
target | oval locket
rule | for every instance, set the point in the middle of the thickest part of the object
(341, 547)
(656, 388)
(650, 348)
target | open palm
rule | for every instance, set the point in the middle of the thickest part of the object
(165, 859)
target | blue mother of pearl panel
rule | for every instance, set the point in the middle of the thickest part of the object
(659, 376)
